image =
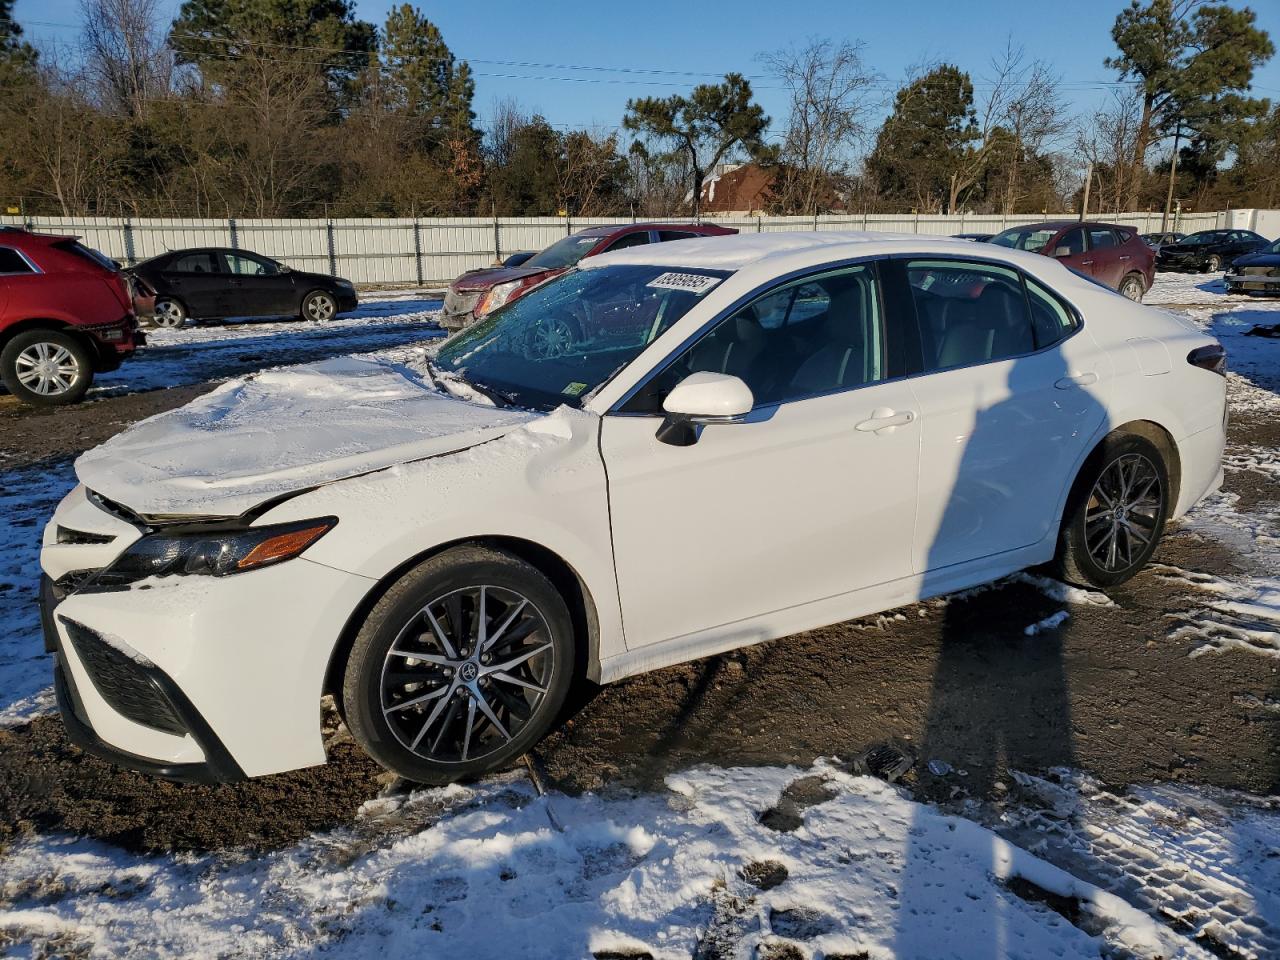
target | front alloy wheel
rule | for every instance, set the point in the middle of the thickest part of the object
(1214, 264)
(460, 668)
(319, 307)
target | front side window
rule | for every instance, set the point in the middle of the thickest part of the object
(563, 339)
(1072, 242)
(1024, 238)
(249, 266)
(969, 312)
(11, 261)
(637, 239)
(563, 253)
(813, 336)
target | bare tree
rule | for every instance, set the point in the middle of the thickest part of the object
(126, 54)
(831, 95)
(1020, 114)
(1106, 141)
(506, 117)
(589, 172)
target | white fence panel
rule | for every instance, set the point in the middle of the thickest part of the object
(432, 251)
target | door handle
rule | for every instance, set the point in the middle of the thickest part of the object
(1125, 256)
(883, 418)
(1086, 263)
(1077, 380)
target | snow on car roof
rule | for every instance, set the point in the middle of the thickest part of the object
(737, 251)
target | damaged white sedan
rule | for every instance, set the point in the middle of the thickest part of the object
(664, 454)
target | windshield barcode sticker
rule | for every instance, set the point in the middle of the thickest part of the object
(689, 282)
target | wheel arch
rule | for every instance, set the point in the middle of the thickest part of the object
(1150, 431)
(567, 581)
(39, 323)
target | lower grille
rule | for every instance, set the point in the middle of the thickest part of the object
(124, 682)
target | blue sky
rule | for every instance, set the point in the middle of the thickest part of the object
(698, 41)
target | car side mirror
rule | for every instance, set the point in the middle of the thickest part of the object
(699, 399)
(1061, 252)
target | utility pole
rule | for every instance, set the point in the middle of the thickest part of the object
(1088, 183)
(1173, 172)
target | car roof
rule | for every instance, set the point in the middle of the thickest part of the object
(610, 229)
(739, 250)
(1063, 224)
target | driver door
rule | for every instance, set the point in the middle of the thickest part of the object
(809, 499)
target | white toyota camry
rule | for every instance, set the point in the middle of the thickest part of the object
(669, 452)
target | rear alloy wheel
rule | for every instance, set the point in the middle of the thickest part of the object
(169, 313)
(46, 367)
(1117, 513)
(1132, 288)
(460, 668)
(319, 306)
(1214, 264)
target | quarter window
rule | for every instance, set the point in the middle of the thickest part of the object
(814, 336)
(1050, 319)
(11, 261)
(969, 312)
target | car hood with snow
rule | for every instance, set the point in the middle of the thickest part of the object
(282, 431)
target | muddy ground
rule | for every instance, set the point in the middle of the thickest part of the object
(1108, 692)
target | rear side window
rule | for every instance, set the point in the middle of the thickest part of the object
(665, 235)
(88, 253)
(1101, 238)
(969, 313)
(11, 262)
(195, 263)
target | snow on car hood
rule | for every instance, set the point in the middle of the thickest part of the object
(280, 431)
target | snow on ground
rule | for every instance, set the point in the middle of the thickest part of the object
(1063, 868)
(696, 869)
(195, 353)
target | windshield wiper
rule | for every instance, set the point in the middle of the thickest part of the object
(497, 397)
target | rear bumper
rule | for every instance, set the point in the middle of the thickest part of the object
(115, 342)
(1247, 282)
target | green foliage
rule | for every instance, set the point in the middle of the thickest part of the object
(17, 57)
(705, 126)
(924, 139)
(420, 75)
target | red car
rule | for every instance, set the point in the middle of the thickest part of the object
(1112, 254)
(66, 313)
(480, 292)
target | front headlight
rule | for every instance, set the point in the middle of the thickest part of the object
(498, 296)
(214, 554)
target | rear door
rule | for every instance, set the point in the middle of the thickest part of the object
(1104, 251)
(198, 280)
(258, 288)
(1009, 399)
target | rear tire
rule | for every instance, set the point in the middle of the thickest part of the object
(1116, 513)
(1133, 287)
(46, 368)
(169, 313)
(459, 708)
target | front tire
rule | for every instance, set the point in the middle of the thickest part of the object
(460, 668)
(1116, 513)
(1214, 264)
(319, 306)
(46, 368)
(1133, 288)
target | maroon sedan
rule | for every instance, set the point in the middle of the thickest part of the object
(66, 312)
(1112, 254)
(480, 292)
